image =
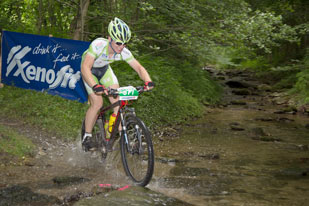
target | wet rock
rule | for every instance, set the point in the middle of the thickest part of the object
(2, 185)
(293, 173)
(20, 195)
(264, 87)
(66, 180)
(241, 92)
(265, 119)
(29, 162)
(210, 69)
(221, 77)
(166, 160)
(189, 171)
(131, 196)
(303, 147)
(41, 152)
(76, 196)
(236, 126)
(304, 109)
(214, 131)
(259, 132)
(304, 159)
(237, 84)
(267, 139)
(197, 186)
(299, 147)
(210, 156)
(287, 110)
(285, 119)
(169, 133)
(238, 102)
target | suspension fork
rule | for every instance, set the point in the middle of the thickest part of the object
(123, 132)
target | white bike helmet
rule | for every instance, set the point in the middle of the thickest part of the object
(119, 31)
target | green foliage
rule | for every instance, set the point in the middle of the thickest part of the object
(200, 31)
(178, 94)
(258, 63)
(37, 17)
(14, 144)
(302, 84)
(281, 77)
(264, 30)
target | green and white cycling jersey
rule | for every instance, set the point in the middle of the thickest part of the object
(99, 50)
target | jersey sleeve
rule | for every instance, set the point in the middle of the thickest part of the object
(127, 55)
(96, 47)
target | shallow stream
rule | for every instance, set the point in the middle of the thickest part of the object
(237, 154)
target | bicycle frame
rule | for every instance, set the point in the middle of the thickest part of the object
(119, 118)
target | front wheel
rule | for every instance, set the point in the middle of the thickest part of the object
(137, 151)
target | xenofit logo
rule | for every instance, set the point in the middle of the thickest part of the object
(64, 77)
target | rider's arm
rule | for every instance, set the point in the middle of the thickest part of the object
(86, 70)
(142, 72)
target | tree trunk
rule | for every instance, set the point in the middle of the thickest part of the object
(41, 14)
(80, 20)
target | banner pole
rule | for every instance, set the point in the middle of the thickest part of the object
(1, 85)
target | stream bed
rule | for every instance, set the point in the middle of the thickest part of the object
(247, 151)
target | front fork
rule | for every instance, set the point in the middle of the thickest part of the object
(124, 131)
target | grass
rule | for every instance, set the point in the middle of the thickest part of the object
(53, 114)
(14, 144)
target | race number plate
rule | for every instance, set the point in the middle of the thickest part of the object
(127, 93)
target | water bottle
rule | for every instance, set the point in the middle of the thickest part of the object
(107, 133)
(111, 122)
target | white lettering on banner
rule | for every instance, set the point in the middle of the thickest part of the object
(64, 77)
(41, 50)
(61, 58)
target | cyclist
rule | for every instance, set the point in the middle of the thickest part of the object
(98, 75)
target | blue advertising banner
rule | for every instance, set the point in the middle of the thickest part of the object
(43, 63)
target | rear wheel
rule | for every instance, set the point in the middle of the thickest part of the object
(137, 154)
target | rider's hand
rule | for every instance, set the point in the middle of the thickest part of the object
(148, 85)
(99, 89)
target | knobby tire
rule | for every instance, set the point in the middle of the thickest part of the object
(139, 163)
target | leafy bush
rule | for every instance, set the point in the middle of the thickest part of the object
(179, 91)
(302, 85)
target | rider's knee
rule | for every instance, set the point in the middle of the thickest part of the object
(97, 105)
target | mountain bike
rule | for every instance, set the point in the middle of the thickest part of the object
(136, 146)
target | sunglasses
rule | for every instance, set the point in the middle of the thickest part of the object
(120, 44)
